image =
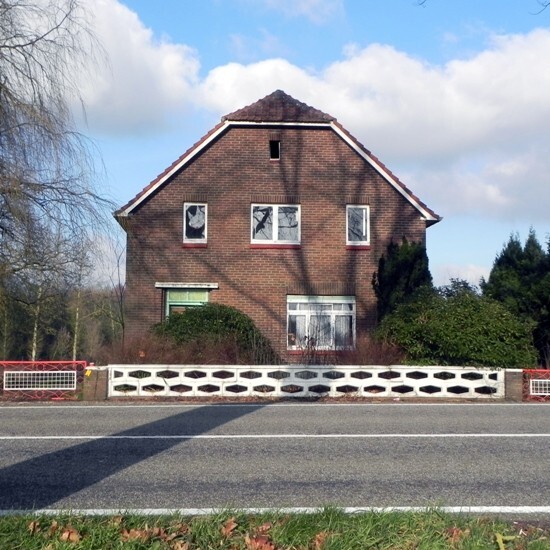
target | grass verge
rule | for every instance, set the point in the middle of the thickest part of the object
(327, 529)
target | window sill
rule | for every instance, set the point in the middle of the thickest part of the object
(276, 246)
(358, 247)
(194, 245)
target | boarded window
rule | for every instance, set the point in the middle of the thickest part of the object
(276, 224)
(194, 222)
(358, 231)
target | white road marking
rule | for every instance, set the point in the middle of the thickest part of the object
(274, 436)
(133, 405)
(515, 510)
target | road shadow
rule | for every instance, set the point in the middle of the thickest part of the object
(41, 481)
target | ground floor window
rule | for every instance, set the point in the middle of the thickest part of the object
(320, 322)
(177, 296)
(178, 300)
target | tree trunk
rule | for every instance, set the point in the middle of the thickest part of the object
(76, 324)
(34, 348)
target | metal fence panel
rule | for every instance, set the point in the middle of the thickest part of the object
(39, 380)
(24, 380)
(536, 384)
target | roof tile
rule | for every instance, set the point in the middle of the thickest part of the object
(278, 107)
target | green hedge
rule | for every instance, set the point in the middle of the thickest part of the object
(459, 327)
(214, 324)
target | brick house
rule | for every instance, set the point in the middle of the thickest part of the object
(277, 211)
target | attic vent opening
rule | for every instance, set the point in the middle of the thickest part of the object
(274, 149)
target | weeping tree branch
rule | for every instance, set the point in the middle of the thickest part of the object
(47, 169)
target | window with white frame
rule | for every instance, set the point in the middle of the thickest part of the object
(275, 223)
(177, 300)
(194, 222)
(320, 322)
(357, 225)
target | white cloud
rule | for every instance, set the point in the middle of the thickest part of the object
(147, 80)
(442, 274)
(497, 98)
(506, 185)
(232, 86)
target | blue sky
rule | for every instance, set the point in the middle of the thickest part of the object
(453, 96)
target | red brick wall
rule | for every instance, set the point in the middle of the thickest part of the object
(317, 167)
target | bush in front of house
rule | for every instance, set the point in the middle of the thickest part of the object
(218, 327)
(454, 325)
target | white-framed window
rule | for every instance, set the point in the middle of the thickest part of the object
(320, 322)
(275, 223)
(177, 300)
(357, 225)
(195, 222)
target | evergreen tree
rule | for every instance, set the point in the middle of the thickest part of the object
(401, 272)
(520, 279)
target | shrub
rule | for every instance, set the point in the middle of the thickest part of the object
(456, 326)
(371, 351)
(218, 327)
(147, 349)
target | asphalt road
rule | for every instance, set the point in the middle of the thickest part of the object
(281, 455)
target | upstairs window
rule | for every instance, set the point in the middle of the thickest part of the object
(274, 149)
(275, 224)
(194, 222)
(357, 225)
(320, 322)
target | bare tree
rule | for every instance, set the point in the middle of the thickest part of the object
(50, 206)
(46, 166)
(543, 5)
(48, 266)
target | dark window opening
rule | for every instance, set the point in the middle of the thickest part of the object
(274, 149)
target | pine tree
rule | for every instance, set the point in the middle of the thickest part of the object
(520, 279)
(401, 272)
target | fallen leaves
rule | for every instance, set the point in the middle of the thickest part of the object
(258, 542)
(320, 539)
(148, 534)
(455, 534)
(53, 528)
(229, 526)
(34, 527)
(70, 534)
(171, 535)
(254, 532)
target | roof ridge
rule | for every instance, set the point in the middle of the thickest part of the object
(278, 107)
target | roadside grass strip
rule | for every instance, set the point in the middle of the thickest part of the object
(320, 529)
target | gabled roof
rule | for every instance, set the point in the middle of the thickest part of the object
(280, 109)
